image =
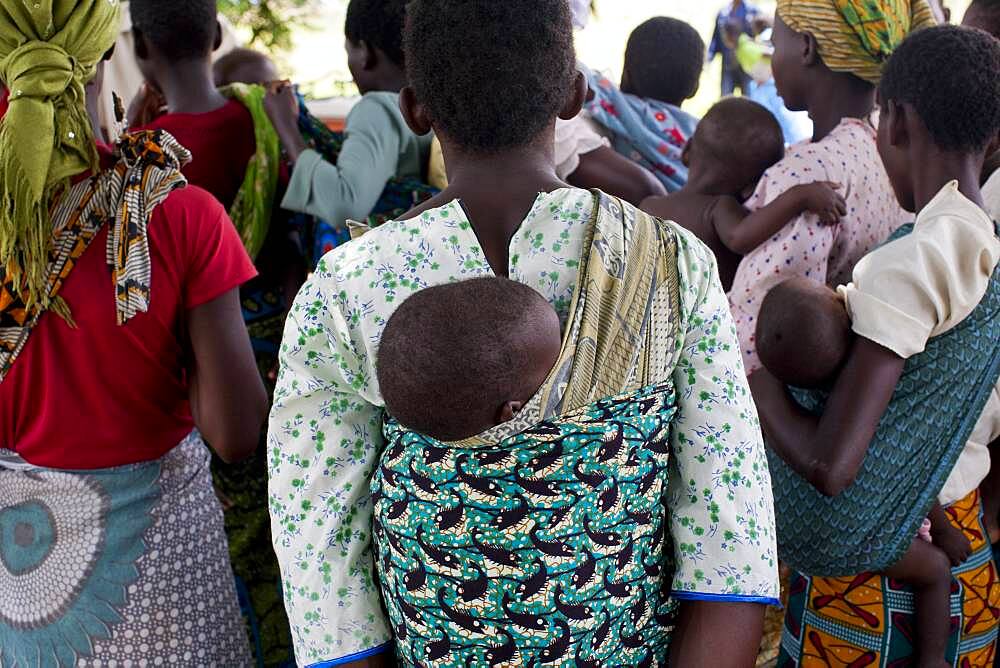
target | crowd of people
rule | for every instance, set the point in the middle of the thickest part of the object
(524, 367)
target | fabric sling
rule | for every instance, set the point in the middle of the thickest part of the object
(252, 209)
(542, 540)
(937, 403)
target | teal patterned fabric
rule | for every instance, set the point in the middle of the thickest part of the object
(939, 398)
(547, 548)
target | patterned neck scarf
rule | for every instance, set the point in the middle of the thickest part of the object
(147, 171)
(857, 36)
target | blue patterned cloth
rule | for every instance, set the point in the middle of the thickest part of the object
(127, 563)
(648, 132)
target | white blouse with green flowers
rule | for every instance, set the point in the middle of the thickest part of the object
(326, 425)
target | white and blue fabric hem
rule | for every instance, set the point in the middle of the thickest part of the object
(725, 598)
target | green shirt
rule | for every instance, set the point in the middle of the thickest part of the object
(378, 146)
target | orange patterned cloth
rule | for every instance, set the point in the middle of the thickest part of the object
(866, 620)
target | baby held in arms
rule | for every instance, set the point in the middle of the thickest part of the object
(804, 337)
(735, 143)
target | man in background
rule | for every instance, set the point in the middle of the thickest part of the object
(732, 21)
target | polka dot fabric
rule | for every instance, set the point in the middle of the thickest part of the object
(848, 157)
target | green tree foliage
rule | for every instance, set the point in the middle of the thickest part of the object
(271, 22)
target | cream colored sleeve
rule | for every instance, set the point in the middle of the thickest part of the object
(922, 285)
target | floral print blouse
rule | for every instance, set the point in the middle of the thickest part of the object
(326, 425)
(848, 157)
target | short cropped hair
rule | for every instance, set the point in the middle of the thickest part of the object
(492, 75)
(379, 23)
(742, 135)
(803, 333)
(179, 30)
(664, 60)
(951, 76)
(451, 355)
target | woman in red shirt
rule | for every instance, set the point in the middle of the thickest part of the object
(121, 341)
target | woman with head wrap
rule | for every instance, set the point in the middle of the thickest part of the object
(120, 333)
(827, 60)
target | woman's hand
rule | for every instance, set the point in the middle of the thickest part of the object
(282, 108)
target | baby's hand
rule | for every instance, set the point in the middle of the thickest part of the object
(822, 199)
(952, 542)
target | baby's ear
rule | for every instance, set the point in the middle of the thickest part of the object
(508, 411)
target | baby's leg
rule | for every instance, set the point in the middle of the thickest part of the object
(928, 571)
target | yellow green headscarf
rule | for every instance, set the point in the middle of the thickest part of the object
(857, 36)
(49, 50)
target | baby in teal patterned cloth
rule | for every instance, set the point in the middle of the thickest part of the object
(450, 376)
(803, 338)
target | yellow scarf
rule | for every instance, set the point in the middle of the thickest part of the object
(857, 36)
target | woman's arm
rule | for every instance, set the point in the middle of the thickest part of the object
(616, 175)
(828, 451)
(720, 506)
(368, 159)
(726, 635)
(228, 400)
(324, 440)
(742, 231)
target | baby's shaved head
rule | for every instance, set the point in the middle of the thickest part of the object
(803, 333)
(453, 355)
(743, 136)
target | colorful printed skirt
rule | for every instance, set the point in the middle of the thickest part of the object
(867, 620)
(547, 548)
(125, 565)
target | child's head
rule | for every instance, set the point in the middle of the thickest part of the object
(244, 66)
(736, 141)
(167, 33)
(458, 359)
(985, 15)
(940, 96)
(374, 32)
(803, 333)
(490, 77)
(663, 61)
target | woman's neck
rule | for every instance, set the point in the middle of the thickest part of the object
(939, 169)
(498, 191)
(189, 88)
(837, 97)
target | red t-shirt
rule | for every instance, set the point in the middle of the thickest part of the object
(101, 395)
(3, 101)
(221, 144)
